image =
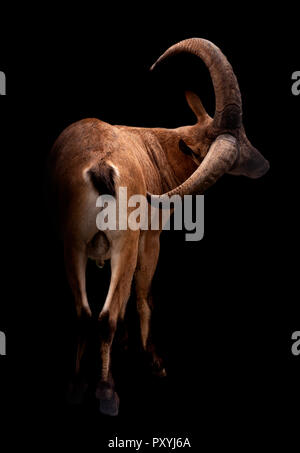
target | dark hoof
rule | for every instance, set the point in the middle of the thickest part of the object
(110, 406)
(108, 399)
(77, 391)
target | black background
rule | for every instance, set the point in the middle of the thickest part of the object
(226, 307)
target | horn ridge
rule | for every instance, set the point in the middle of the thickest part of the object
(228, 110)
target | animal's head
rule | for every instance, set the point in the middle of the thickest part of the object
(218, 145)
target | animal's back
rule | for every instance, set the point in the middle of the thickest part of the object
(79, 145)
(77, 149)
(91, 158)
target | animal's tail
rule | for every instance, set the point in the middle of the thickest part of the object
(103, 177)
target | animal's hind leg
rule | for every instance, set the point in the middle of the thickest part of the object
(147, 261)
(75, 263)
(123, 263)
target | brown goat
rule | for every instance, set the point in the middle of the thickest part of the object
(91, 157)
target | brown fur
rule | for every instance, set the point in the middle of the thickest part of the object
(91, 157)
(82, 161)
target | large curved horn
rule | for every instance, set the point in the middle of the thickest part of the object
(228, 110)
(219, 160)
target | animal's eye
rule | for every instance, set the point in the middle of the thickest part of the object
(186, 149)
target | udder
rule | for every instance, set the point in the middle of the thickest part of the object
(99, 248)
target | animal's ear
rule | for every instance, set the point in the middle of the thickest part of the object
(196, 105)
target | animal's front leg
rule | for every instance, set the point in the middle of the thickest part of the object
(75, 263)
(146, 265)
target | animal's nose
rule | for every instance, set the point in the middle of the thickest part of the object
(257, 167)
(264, 169)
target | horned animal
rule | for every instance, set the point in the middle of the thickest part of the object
(92, 157)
